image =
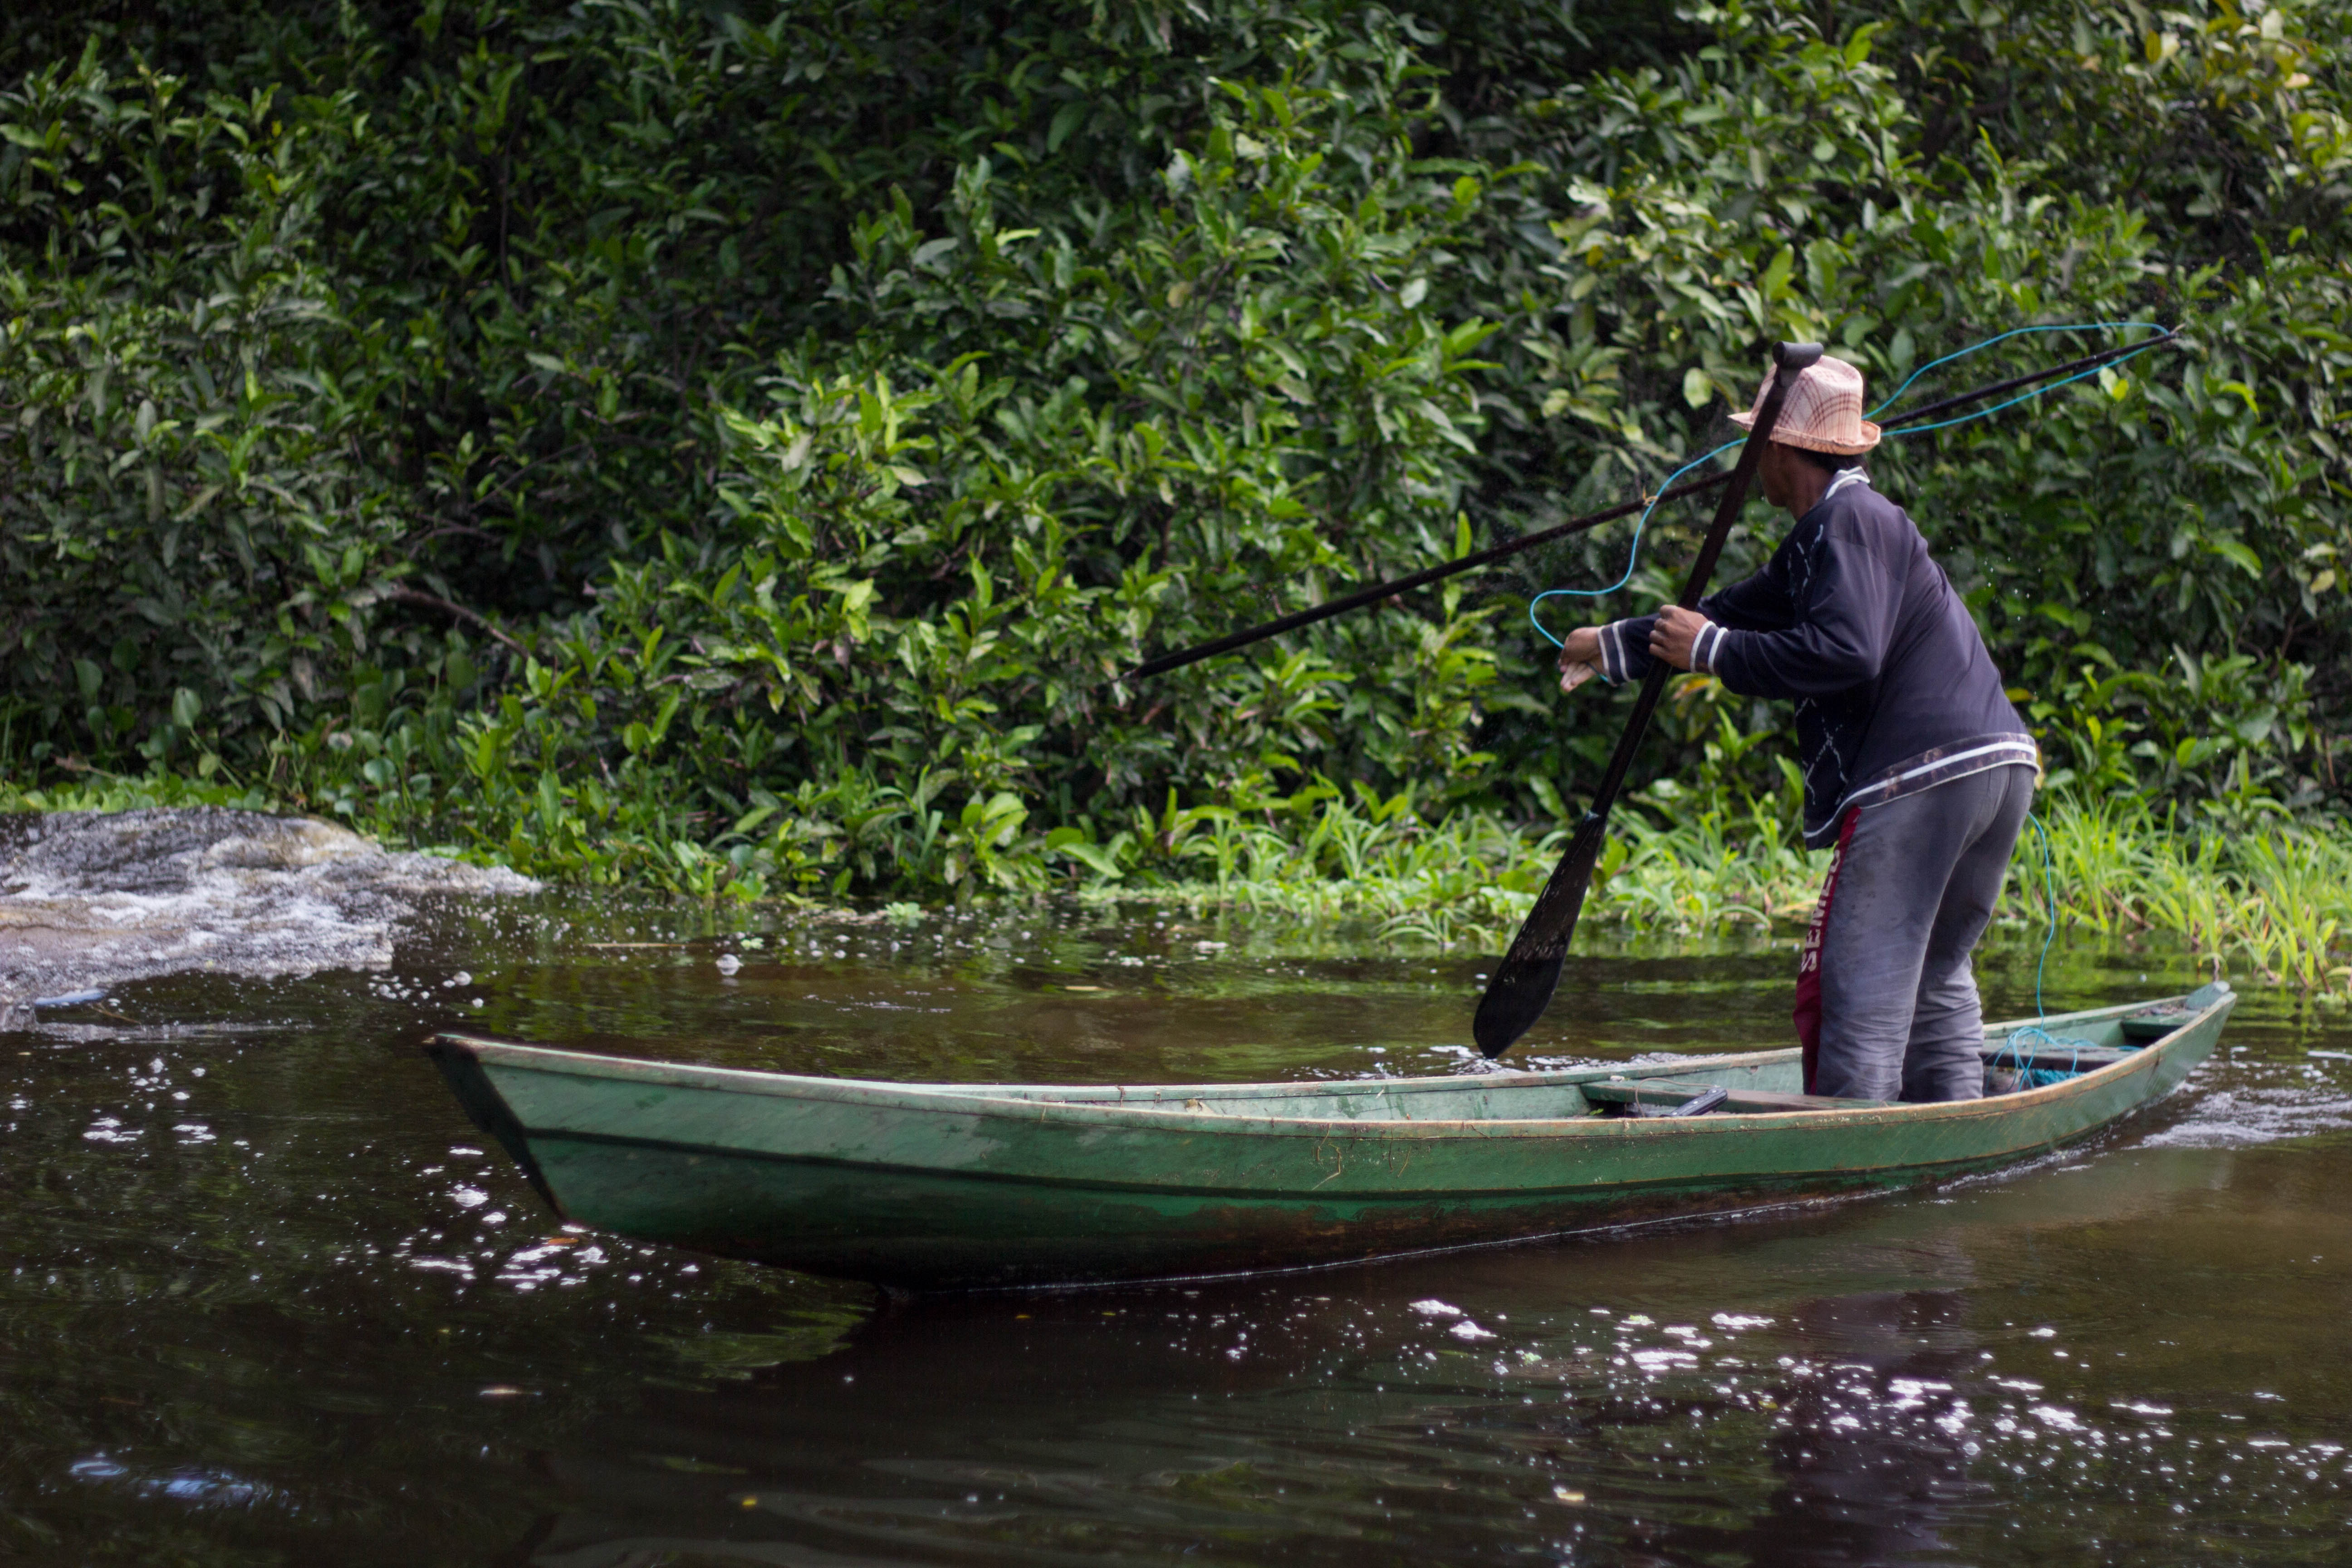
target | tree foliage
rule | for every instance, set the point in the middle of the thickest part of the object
(744, 444)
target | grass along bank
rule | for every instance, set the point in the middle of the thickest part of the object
(2271, 899)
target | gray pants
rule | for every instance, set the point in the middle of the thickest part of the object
(1916, 886)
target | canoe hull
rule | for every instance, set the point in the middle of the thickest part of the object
(962, 1187)
(922, 1231)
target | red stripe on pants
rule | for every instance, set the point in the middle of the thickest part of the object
(1808, 1012)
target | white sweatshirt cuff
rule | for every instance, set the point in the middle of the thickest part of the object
(1612, 652)
(1706, 646)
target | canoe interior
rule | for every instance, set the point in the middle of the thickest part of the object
(1555, 1094)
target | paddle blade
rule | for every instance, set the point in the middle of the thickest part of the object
(1523, 984)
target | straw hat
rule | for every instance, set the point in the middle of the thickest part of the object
(1823, 413)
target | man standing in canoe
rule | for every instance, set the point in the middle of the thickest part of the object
(1917, 768)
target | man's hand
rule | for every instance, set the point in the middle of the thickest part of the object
(1580, 657)
(1672, 637)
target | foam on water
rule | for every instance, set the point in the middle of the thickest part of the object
(89, 899)
(2233, 1118)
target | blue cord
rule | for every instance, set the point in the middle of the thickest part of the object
(2033, 1036)
(2052, 386)
(2049, 896)
(2014, 333)
(1634, 554)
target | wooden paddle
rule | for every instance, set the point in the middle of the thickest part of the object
(1522, 987)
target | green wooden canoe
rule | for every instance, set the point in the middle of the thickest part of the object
(943, 1186)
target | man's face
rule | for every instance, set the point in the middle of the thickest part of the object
(1780, 472)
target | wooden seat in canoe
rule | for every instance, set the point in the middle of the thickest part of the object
(1644, 1092)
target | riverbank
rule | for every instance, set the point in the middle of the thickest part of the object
(2272, 901)
(2268, 901)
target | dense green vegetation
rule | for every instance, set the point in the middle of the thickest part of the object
(737, 447)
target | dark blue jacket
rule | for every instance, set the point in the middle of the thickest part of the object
(1854, 620)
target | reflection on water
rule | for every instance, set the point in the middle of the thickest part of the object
(267, 1299)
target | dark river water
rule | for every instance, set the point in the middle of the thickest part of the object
(264, 1297)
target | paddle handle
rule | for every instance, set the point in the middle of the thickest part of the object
(1789, 360)
(1523, 983)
